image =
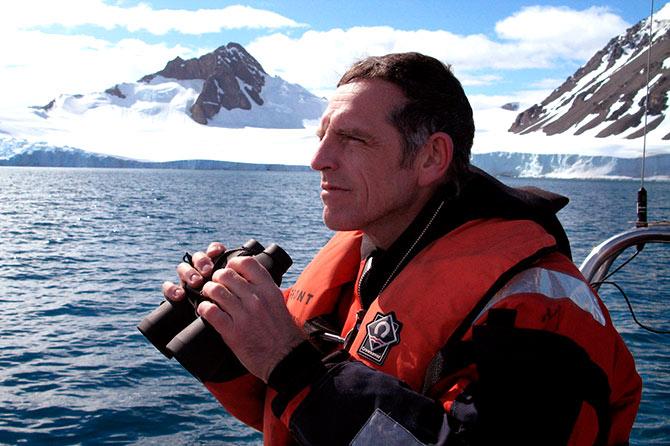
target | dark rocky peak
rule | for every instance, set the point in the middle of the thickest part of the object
(511, 106)
(46, 107)
(115, 91)
(229, 72)
(227, 58)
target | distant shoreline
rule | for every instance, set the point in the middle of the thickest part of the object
(500, 164)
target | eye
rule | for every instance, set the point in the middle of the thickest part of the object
(354, 139)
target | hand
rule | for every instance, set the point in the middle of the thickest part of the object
(195, 275)
(249, 312)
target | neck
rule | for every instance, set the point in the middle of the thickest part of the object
(385, 231)
(428, 225)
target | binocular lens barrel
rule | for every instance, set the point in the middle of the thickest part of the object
(276, 261)
(200, 350)
(165, 322)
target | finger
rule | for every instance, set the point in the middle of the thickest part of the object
(249, 268)
(215, 249)
(218, 318)
(172, 291)
(234, 282)
(189, 275)
(222, 297)
(203, 263)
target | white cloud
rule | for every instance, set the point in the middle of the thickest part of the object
(46, 65)
(549, 23)
(31, 14)
(66, 63)
(470, 80)
(38, 63)
(536, 37)
(317, 59)
(562, 31)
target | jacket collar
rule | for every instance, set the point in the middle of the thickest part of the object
(481, 196)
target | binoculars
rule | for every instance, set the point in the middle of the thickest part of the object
(176, 330)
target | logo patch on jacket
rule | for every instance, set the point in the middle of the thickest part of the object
(382, 333)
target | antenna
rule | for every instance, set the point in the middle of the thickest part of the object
(642, 193)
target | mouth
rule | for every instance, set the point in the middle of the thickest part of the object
(328, 187)
(331, 193)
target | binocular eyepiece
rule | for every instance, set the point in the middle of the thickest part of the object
(176, 330)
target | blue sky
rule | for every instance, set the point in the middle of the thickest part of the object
(500, 49)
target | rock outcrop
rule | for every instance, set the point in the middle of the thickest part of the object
(232, 79)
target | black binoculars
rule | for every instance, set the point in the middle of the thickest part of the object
(176, 330)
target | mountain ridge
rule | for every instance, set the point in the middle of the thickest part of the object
(606, 96)
(228, 72)
(227, 87)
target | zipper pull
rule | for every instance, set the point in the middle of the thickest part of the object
(332, 337)
(349, 338)
(365, 301)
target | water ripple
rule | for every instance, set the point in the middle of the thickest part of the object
(85, 251)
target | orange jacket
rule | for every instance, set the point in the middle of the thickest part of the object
(404, 331)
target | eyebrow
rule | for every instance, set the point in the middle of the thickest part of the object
(356, 133)
(353, 132)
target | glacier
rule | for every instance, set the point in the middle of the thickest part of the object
(19, 152)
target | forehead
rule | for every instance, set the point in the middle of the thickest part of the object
(364, 100)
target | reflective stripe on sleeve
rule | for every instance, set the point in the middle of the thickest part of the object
(552, 284)
(381, 429)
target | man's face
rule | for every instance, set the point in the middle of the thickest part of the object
(359, 157)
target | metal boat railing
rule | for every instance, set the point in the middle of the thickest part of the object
(597, 264)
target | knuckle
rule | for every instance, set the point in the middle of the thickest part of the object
(218, 275)
(254, 305)
(244, 262)
(223, 275)
(200, 258)
(211, 289)
(207, 311)
(184, 268)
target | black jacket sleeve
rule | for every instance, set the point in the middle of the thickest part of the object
(346, 396)
(530, 389)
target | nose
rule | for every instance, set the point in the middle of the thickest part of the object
(325, 157)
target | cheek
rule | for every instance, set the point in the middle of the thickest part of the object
(379, 188)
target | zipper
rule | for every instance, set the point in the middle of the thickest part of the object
(366, 271)
(411, 248)
(349, 338)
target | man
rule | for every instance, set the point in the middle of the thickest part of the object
(461, 318)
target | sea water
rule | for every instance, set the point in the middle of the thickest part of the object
(83, 253)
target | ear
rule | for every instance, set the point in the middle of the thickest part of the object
(434, 159)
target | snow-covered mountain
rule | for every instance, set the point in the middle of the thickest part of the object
(606, 96)
(224, 88)
(223, 108)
